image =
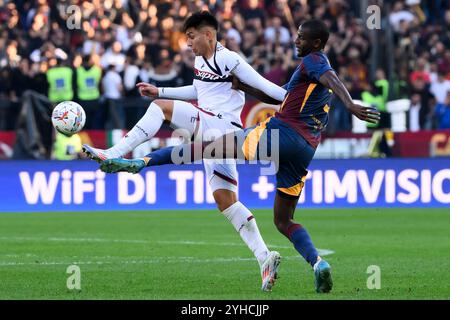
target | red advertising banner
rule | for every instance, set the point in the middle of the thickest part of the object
(7, 139)
(422, 144)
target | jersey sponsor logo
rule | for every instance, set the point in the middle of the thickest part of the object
(210, 77)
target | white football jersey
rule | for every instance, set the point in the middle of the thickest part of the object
(212, 80)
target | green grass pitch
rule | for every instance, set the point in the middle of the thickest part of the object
(198, 255)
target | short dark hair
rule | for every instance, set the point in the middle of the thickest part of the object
(201, 19)
(317, 30)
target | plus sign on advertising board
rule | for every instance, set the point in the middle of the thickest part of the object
(263, 187)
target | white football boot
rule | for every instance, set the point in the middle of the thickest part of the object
(269, 270)
(98, 155)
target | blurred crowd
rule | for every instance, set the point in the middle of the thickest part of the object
(422, 55)
(117, 43)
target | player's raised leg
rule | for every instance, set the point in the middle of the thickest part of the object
(179, 113)
(223, 147)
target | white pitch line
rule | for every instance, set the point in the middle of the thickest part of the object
(322, 252)
(205, 243)
(147, 261)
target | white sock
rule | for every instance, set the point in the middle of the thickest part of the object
(244, 223)
(144, 130)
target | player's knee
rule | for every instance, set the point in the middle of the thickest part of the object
(224, 205)
(281, 225)
(224, 199)
(166, 107)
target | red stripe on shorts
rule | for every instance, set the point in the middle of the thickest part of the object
(204, 111)
(224, 177)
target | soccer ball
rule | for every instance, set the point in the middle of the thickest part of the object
(68, 118)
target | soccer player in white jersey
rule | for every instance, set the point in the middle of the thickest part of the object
(219, 108)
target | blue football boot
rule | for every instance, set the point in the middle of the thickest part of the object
(322, 274)
(122, 165)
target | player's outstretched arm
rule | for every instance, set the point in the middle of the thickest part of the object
(330, 80)
(180, 93)
(147, 90)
